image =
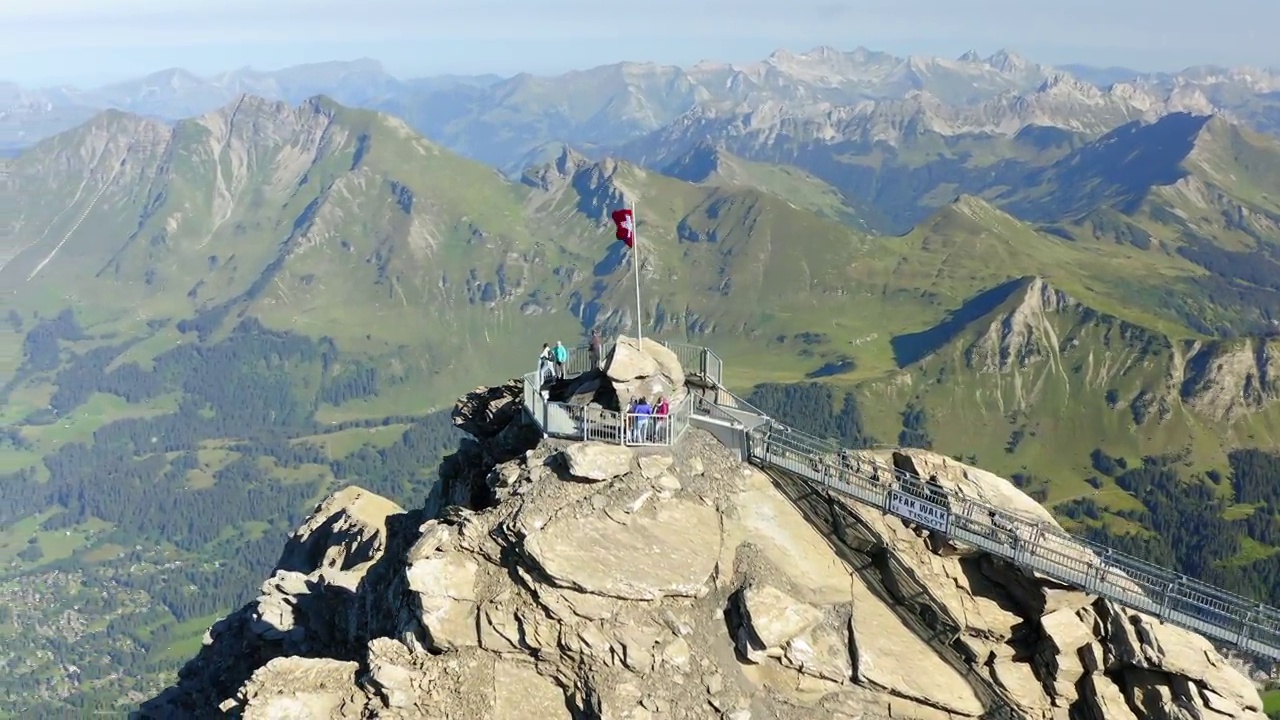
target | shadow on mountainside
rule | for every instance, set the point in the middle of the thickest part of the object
(893, 586)
(914, 347)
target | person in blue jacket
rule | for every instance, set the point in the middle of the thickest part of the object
(561, 356)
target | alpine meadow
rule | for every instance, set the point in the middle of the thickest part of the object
(223, 298)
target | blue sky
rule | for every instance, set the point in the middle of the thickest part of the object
(94, 41)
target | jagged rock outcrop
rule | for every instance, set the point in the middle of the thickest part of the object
(1225, 380)
(590, 581)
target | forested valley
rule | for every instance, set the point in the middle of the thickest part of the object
(172, 546)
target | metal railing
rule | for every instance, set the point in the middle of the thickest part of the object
(650, 429)
(587, 422)
(706, 407)
(698, 361)
(1033, 545)
(580, 358)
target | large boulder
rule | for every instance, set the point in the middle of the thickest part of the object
(596, 461)
(345, 534)
(640, 596)
(443, 582)
(628, 361)
(771, 619)
(668, 362)
(294, 687)
(323, 564)
(644, 369)
(671, 551)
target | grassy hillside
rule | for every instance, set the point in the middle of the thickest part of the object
(713, 165)
(1038, 379)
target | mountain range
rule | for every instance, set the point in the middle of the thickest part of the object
(509, 122)
(344, 223)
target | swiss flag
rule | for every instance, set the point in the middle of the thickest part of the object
(626, 223)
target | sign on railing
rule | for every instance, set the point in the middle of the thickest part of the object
(919, 511)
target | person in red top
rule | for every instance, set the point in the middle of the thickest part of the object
(660, 411)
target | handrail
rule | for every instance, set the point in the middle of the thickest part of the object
(596, 423)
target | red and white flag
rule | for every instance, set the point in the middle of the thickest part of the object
(626, 223)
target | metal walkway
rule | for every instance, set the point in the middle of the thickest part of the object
(1045, 549)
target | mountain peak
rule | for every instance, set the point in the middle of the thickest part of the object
(601, 185)
(559, 171)
(969, 214)
(970, 56)
(704, 160)
(1059, 82)
(824, 52)
(248, 108)
(973, 205)
(1007, 61)
(363, 64)
(175, 78)
(570, 161)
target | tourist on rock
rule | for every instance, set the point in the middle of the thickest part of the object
(561, 357)
(641, 416)
(594, 349)
(660, 413)
(545, 361)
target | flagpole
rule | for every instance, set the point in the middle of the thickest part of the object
(635, 263)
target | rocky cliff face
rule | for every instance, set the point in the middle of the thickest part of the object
(580, 580)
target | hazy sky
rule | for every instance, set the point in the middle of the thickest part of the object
(92, 41)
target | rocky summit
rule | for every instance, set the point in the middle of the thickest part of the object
(553, 579)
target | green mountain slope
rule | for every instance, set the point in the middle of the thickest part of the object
(317, 217)
(1194, 191)
(1196, 188)
(1063, 377)
(343, 224)
(723, 264)
(713, 165)
(1139, 164)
